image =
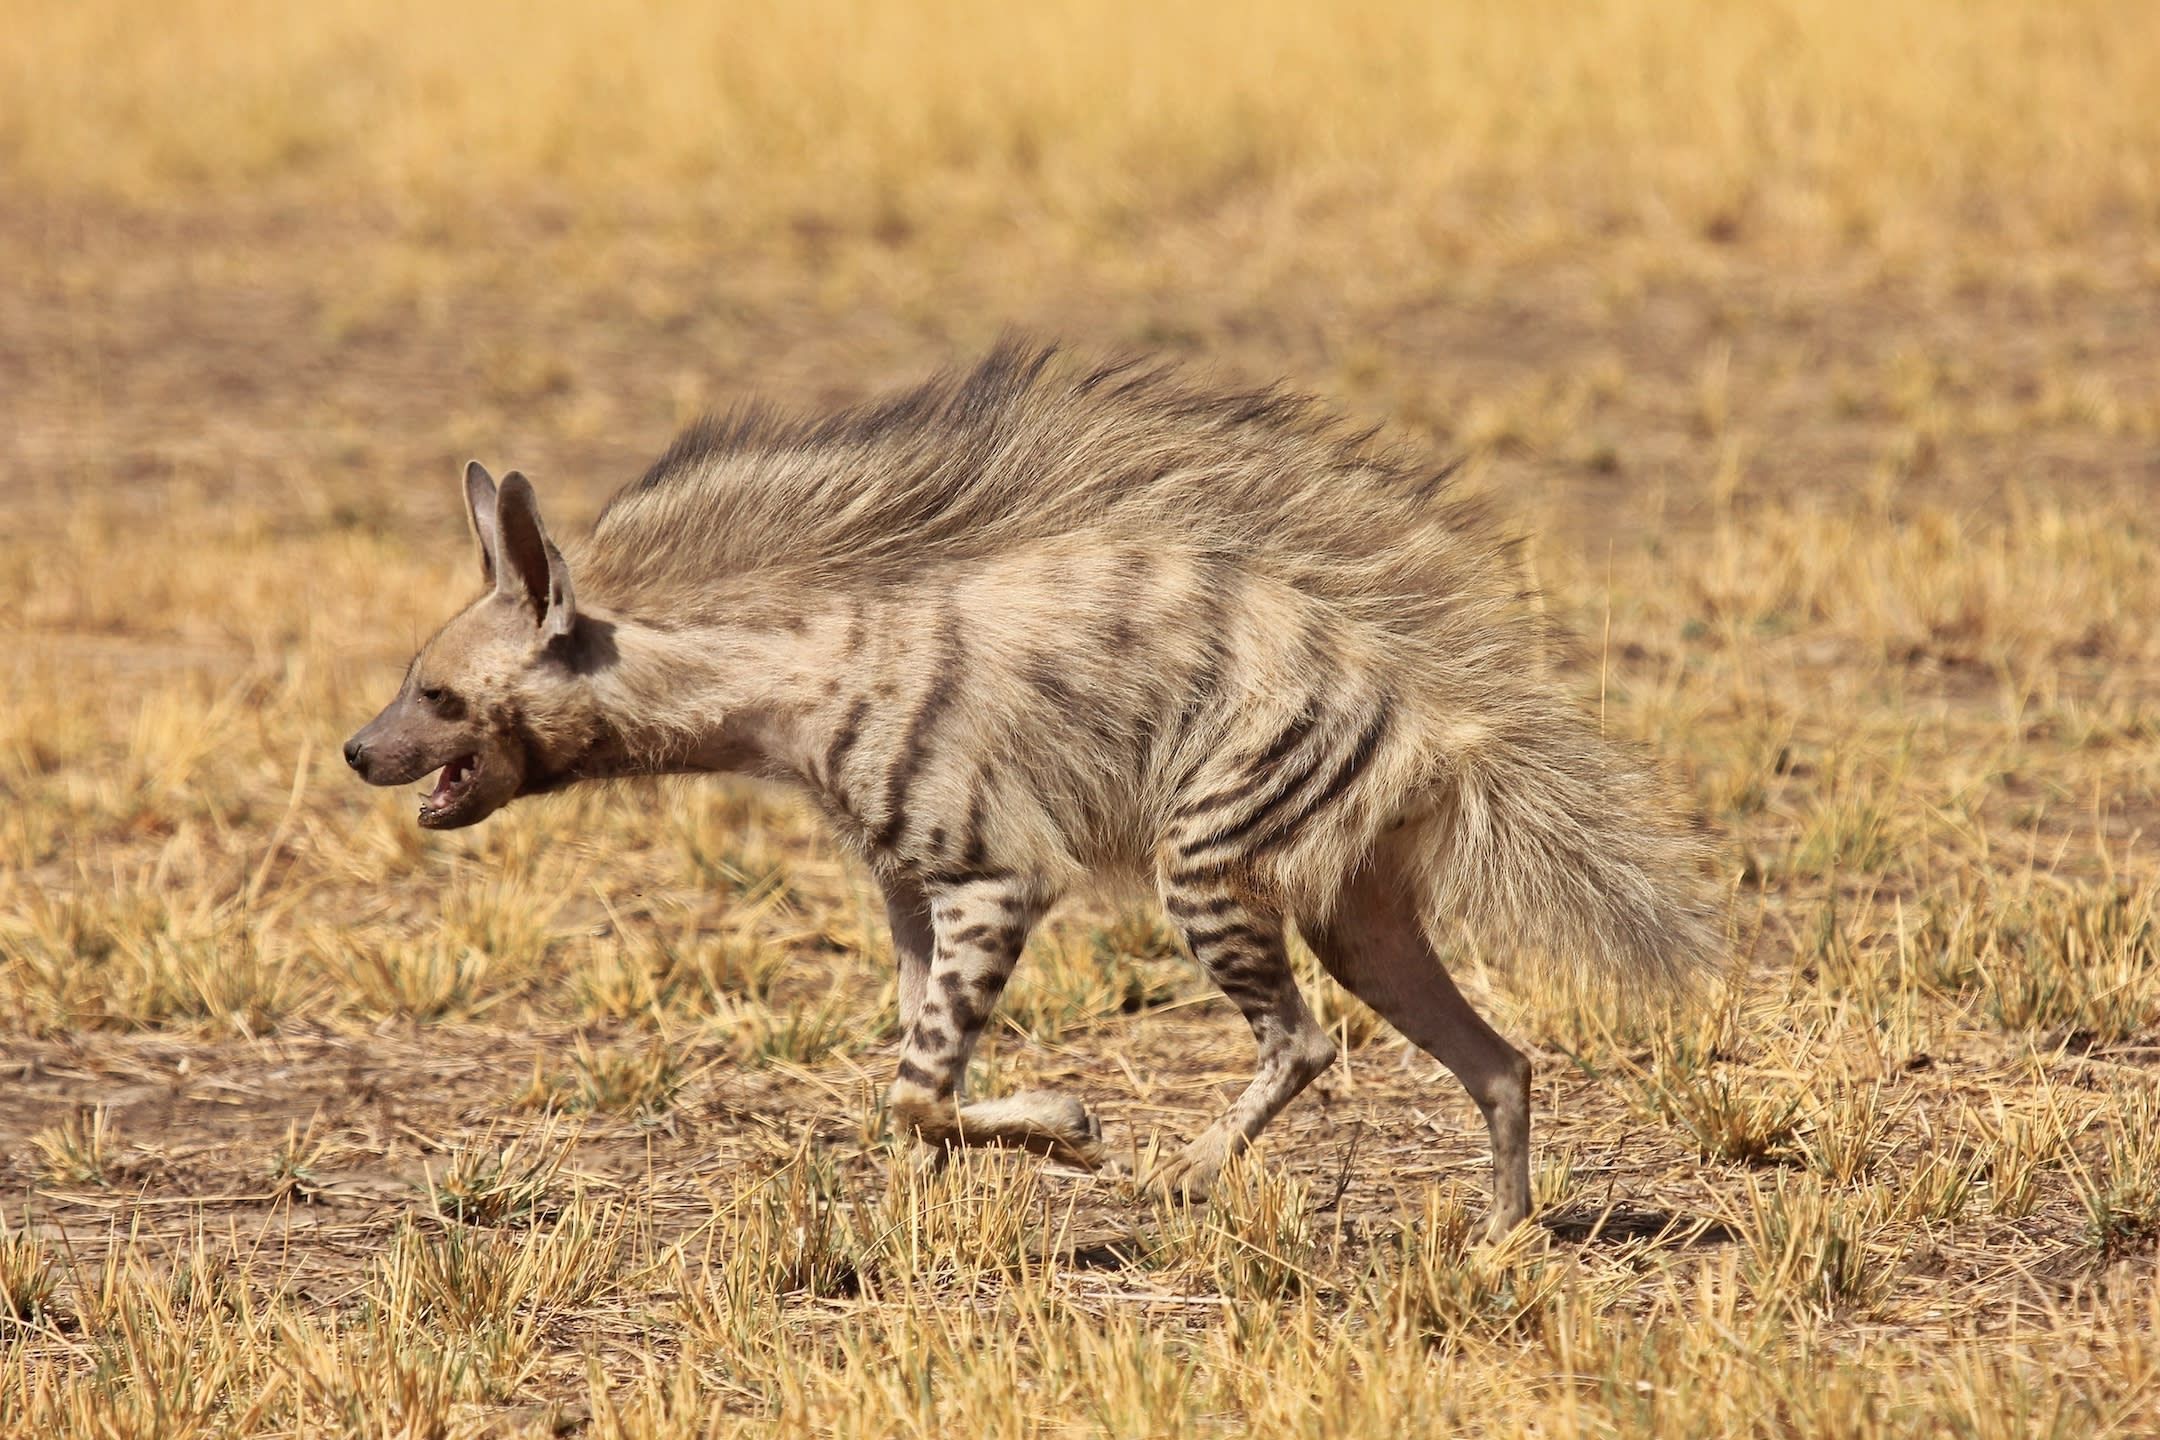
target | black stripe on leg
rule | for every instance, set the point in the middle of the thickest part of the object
(1208, 873)
(914, 1074)
(1235, 933)
(1000, 940)
(1353, 765)
(972, 852)
(1209, 907)
(1253, 988)
(1262, 767)
(916, 746)
(967, 875)
(843, 741)
(1283, 793)
(1248, 993)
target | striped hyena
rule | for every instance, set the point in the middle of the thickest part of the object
(1049, 622)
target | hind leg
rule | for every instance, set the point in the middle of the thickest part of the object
(1375, 945)
(1242, 950)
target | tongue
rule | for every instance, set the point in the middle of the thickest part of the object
(447, 782)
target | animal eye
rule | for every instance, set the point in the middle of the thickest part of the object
(434, 694)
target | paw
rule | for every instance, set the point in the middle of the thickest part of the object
(1052, 1125)
(1074, 1135)
(1503, 1222)
(1188, 1177)
(1059, 1115)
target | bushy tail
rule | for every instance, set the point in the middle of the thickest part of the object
(1555, 844)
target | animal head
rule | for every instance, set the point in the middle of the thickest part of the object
(498, 701)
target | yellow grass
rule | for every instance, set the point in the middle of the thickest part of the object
(1836, 119)
(1814, 344)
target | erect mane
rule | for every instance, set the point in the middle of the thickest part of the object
(1024, 449)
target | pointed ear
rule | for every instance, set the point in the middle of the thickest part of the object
(480, 514)
(531, 570)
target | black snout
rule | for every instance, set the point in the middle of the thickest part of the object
(356, 754)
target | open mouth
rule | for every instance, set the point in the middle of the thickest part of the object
(451, 788)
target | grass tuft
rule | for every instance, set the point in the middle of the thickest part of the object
(2122, 1197)
(1813, 1247)
(79, 1150)
(638, 1081)
(498, 1187)
(28, 1277)
(1438, 1283)
(1259, 1239)
(1726, 1113)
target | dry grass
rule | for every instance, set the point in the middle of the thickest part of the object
(1816, 345)
(1836, 120)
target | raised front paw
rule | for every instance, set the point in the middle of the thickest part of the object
(1072, 1133)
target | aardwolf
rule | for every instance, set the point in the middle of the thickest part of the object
(1053, 621)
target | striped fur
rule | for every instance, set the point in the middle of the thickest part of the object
(1050, 622)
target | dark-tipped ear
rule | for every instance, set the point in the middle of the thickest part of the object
(480, 513)
(530, 569)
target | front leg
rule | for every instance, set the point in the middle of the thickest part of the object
(979, 927)
(907, 911)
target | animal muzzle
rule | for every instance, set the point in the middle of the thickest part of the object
(383, 752)
(370, 764)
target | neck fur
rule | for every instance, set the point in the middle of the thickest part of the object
(713, 697)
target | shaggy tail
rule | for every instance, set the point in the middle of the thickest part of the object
(1555, 839)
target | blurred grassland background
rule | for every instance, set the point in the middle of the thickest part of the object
(1809, 125)
(1813, 346)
